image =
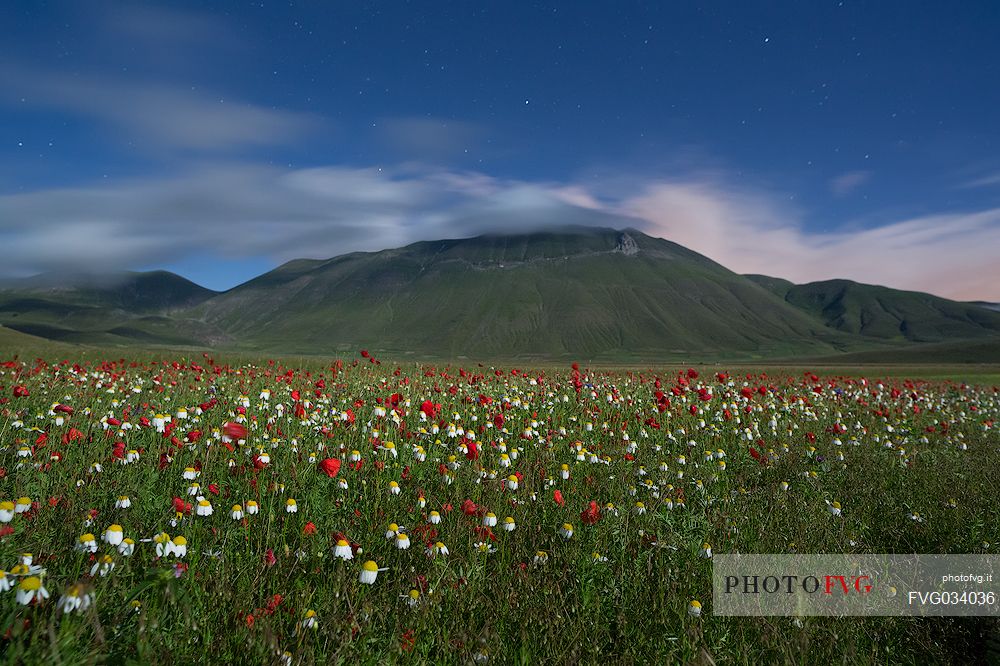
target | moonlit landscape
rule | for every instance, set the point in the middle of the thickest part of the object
(466, 332)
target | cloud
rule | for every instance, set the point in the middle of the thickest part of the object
(158, 115)
(986, 181)
(951, 254)
(245, 210)
(248, 210)
(429, 138)
(846, 183)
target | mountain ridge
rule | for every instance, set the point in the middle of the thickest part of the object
(592, 292)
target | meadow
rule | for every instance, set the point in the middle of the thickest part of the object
(180, 508)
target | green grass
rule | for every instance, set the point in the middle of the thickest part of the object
(629, 609)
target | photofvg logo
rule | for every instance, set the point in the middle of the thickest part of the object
(824, 584)
(845, 585)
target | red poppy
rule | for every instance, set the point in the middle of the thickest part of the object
(591, 514)
(234, 430)
(557, 496)
(330, 466)
(21, 392)
(309, 528)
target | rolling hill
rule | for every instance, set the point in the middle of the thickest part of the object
(573, 292)
(888, 314)
(114, 308)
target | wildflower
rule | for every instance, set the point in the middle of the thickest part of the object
(123, 502)
(484, 547)
(437, 549)
(291, 506)
(309, 621)
(127, 547)
(330, 466)
(6, 581)
(508, 524)
(75, 599)
(369, 572)
(87, 543)
(640, 508)
(434, 518)
(564, 471)
(204, 508)
(706, 551)
(104, 565)
(392, 531)
(834, 508)
(694, 608)
(566, 530)
(236, 512)
(162, 541)
(413, 598)
(784, 486)
(6, 512)
(402, 541)
(394, 488)
(511, 482)
(177, 546)
(252, 507)
(190, 474)
(343, 550)
(113, 535)
(541, 557)
(490, 519)
(599, 558)
(31, 589)
(23, 505)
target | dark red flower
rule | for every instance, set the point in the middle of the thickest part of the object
(330, 466)
(234, 430)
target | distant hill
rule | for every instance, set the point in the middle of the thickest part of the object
(115, 308)
(887, 314)
(986, 304)
(573, 292)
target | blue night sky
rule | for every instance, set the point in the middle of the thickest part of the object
(808, 140)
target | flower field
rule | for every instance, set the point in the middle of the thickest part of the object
(159, 511)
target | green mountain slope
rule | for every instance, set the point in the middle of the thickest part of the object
(576, 291)
(888, 314)
(118, 308)
(573, 292)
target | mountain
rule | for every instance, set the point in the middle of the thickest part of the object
(986, 304)
(586, 293)
(580, 291)
(886, 314)
(111, 308)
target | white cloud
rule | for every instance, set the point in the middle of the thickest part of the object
(952, 254)
(846, 183)
(248, 210)
(158, 116)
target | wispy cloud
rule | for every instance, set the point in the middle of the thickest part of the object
(950, 254)
(246, 210)
(988, 180)
(157, 116)
(846, 183)
(429, 138)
